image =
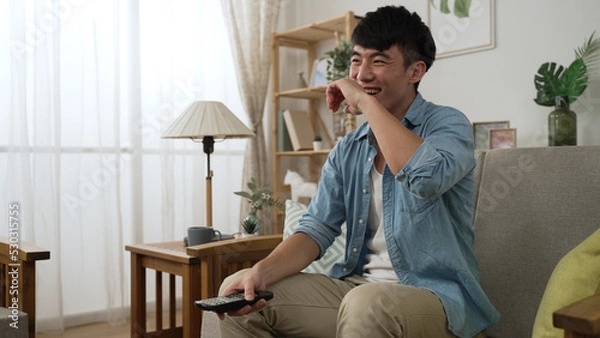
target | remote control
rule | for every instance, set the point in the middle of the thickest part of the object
(232, 302)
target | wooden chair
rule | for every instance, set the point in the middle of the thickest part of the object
(202, 268)
(220, 259)
(580, 319)
(21, 256)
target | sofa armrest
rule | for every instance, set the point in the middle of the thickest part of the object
(237, 245)
(580, 319)
(223, 258)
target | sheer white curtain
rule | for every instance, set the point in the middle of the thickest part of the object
(86, 88)
(250, 26)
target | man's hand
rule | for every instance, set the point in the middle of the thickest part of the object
(247, 283)
(348, 90)
(289, 257)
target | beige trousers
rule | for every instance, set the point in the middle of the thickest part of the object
(315, 305)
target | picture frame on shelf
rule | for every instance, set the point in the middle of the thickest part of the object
(318, 76)
(481, 132)
(502, 138)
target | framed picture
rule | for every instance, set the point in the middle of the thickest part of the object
(318, 77)
(481, 132)
(503, 138)
(461, 31)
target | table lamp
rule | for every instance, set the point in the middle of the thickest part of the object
(207, 121)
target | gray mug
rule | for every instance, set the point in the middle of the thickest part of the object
(201, 234)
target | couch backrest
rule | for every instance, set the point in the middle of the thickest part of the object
(533, 205)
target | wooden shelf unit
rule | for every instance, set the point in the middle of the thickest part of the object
(304, 38)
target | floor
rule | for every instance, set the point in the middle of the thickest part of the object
(98, 330)
(102, 330)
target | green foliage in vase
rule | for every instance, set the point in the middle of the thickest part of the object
(554, 80)
(259, 196)
(338, 65)
(461, 7)
(250, 225)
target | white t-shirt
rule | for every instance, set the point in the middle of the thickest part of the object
(379, 266)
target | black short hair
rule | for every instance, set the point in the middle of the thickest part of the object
(395, 25)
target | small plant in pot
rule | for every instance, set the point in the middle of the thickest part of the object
(250, 225)
(317, 143)
(559, 87)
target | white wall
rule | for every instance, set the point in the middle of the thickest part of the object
(496, 84)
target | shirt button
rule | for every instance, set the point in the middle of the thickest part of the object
(370, 159)
(345, 269)
(354, 250)
(364, 191)
(360, 221)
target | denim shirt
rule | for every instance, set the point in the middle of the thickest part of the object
(427, 212)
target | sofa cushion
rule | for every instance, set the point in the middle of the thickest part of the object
(534, 206)
(11, 326)
(576, 276)
(334, 254)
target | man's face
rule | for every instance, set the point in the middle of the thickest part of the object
(384, 75)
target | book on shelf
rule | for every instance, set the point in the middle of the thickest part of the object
(299, 128)
(283, 136)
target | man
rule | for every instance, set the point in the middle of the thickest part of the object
(403, 183)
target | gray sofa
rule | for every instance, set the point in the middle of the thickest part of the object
(533, 205)
(13, 324)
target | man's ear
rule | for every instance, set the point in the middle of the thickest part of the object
(417, 71)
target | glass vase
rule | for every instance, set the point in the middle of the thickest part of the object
(562, 124)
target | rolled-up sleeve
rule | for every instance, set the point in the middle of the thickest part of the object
(444, 157)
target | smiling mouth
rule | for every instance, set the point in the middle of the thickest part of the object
(372, 91)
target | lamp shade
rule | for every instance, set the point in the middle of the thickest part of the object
(207, 118)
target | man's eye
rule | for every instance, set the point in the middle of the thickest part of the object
(378, 61)
(354, 60)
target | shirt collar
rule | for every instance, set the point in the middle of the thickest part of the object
(414, 114)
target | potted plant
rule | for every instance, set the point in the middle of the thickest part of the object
(317, 143)
(559, 87)
(338, 64)
(250, 226)
(338, 67)
(259, 197)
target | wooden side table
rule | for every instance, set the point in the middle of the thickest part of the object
(171, 258)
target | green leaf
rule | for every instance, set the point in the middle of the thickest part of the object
(573, 81)
(243, 194)
(589, 52)
(461, 8)
(338, 66)
(253, 184)
(588, 48)
(444, 8)
(546, 83)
